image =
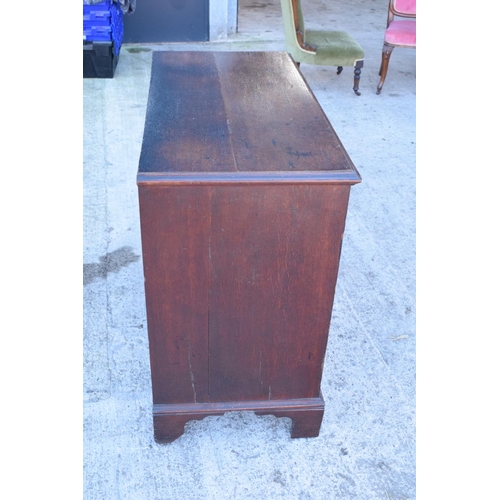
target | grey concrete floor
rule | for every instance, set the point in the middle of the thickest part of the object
(366, 447)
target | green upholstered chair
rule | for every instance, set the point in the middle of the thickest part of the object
(321, 47)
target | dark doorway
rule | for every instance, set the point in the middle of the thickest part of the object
(155, 21)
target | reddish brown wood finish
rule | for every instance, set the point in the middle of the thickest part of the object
(306, 415)
(243, 192)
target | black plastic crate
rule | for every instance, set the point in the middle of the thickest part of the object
(99, 60)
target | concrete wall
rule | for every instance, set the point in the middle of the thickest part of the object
(223, 18)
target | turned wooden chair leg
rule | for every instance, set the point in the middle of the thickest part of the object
(384, 65)
(357, 76)
(339, 69)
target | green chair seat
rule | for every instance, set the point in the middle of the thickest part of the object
(334, 48)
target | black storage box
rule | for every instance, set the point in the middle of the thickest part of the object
(99, 60)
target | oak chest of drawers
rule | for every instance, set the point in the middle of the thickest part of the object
(243, 190)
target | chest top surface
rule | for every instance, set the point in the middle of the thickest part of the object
(237, 114)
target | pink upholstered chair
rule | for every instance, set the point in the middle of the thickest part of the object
(399, 32)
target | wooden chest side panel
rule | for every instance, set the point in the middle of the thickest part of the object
(273, 266)
(174, 225)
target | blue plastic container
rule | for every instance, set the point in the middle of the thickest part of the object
(103, 22)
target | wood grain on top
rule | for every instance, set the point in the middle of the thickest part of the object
(236, 112)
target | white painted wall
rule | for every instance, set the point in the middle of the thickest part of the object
(222, 18)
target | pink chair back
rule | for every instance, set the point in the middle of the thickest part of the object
(405, 6)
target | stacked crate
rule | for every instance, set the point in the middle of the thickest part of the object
(102, 38)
